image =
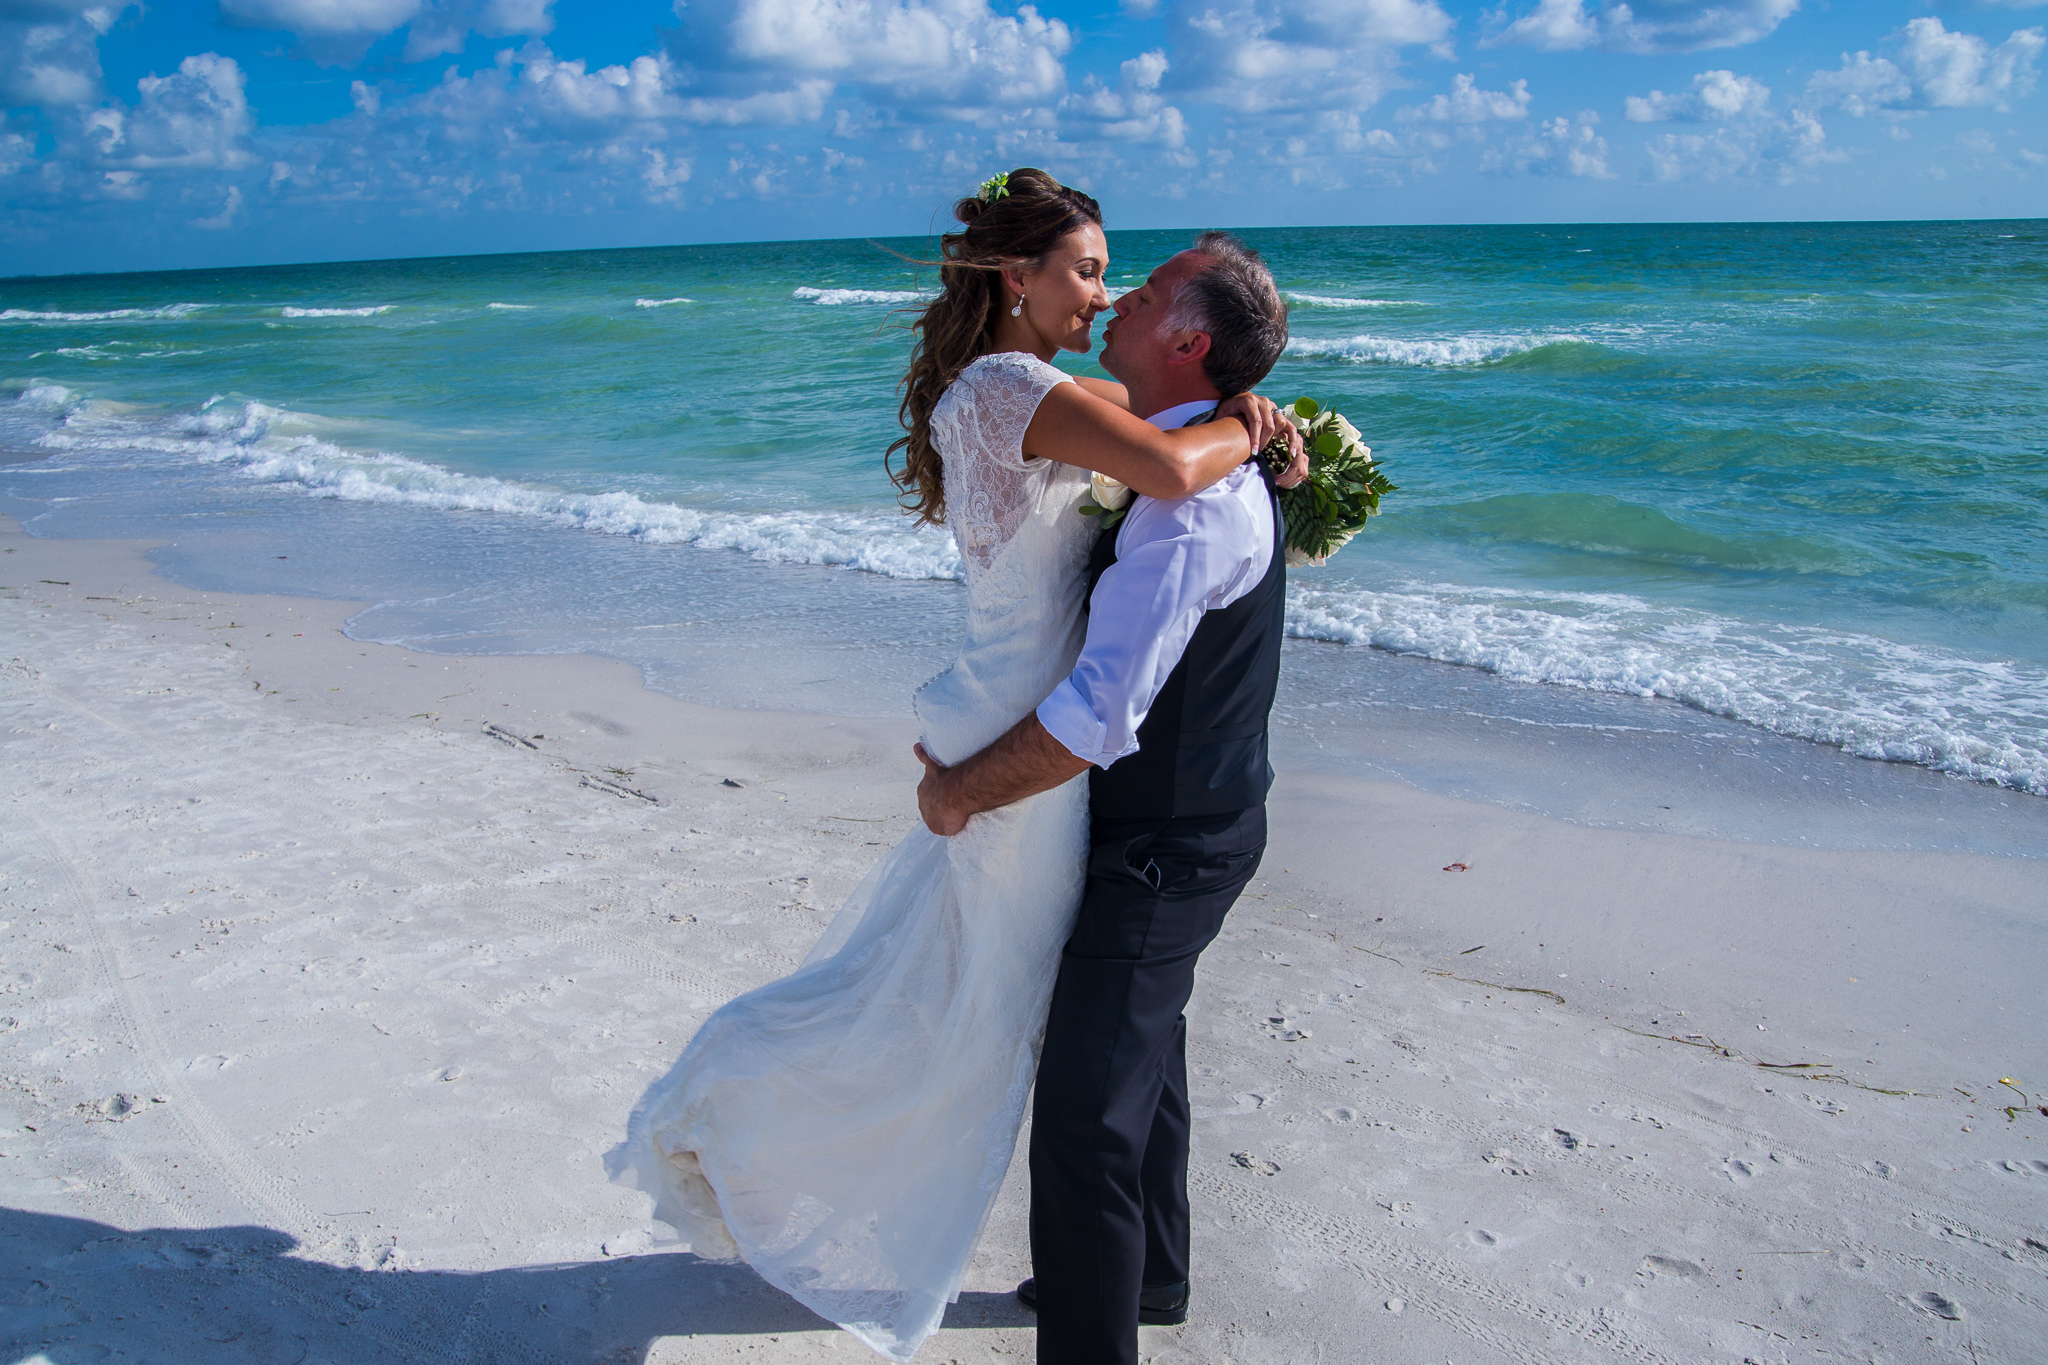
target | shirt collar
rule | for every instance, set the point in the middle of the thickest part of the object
(1181, 414)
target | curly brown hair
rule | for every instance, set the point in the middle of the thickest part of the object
(1014, 232)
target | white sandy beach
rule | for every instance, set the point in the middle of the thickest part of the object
(331, 970)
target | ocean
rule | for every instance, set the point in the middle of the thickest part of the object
(1787, 476)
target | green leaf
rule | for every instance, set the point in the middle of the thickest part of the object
(1305, 408)
(1329, 444)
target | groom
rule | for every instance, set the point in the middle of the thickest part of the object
(1168, 705)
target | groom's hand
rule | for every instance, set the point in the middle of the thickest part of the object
(1024, 761)
(937, 798)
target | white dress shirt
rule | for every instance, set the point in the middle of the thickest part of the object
(1175, 559)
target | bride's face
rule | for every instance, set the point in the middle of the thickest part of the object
(1062, 296)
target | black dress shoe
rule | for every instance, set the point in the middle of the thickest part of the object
(1163, 1305)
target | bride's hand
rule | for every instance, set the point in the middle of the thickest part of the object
(1262, 418)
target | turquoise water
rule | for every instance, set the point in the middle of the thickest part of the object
(1790, 474)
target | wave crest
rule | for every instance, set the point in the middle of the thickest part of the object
(1476, 349)
(369, 312)
(1341, 301)
(169, 310)
(1873, 697)
(836, 297)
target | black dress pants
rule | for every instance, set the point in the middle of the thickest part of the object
(1109, 1124)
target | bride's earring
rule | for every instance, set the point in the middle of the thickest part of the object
(1018, 311)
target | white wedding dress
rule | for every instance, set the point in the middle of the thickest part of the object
(845, 1129)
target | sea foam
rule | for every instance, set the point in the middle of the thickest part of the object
(1473, 349)
(278, 446)
(1339, 301)
(835, 297)
(169, 310)
(1873, 697)
(659, 303)
(339, 312)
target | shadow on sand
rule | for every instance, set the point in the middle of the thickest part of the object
(76, 1291)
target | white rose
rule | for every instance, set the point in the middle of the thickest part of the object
(1108, 493)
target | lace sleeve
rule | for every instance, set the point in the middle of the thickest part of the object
(979, 426)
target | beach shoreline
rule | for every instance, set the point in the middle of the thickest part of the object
(397, 937)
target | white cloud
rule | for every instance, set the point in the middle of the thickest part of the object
(1862, 85)
(544, 99)
(1778, 150)
(444, 27)
(1936, 69)
(197, 118)
(333, 32)
(226, 217)
(1715, 97)
(1957, 70)
(1560, 146)
(947, 52)
(1297, 54)
(16, 151)
(49, 51)
(1642, 25)
(1466, 103)
(1133, 111)
(339, 32)
(664, 178)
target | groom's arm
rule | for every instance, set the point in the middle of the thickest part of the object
(1025, 761)
(1175, 561)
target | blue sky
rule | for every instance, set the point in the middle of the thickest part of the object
(219, 132)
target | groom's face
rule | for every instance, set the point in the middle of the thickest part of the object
(1137, 345)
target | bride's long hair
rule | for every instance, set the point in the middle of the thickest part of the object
(1013, 232)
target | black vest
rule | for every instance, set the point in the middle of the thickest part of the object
(1202, 748)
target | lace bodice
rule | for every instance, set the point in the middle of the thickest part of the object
(1025, 546)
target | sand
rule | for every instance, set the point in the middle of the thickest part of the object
(332, 969)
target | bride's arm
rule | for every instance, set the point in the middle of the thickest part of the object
(1107, 390)
(1075, 427)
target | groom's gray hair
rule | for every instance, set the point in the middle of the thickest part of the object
(1236, 302)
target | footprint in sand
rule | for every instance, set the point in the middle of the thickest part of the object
(1738, 1170)
(1674, 1267)
(1938, 1305)
(1341, 1114)
(1480, 1237)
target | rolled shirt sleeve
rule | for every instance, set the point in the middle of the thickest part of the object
(1175, 561)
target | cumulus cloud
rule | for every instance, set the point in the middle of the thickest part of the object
(1715, 97)
(444, 27)
(1466, 103)
(1642, 25)
(220, 222)
(958, 53)
(1297, 54)
(1936, 69)
(1133, 111)
(49, 51)
(339, 32)
(1560, 146)
(197, 118)
(1776, 150)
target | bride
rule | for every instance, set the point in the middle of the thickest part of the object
(845, 1129)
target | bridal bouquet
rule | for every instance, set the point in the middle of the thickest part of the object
(1343, 488)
